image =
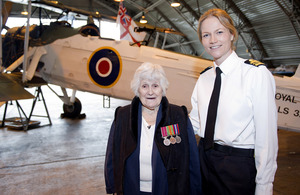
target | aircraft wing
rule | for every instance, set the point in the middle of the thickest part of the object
(10, 89)
(6, 11)
(147, 27)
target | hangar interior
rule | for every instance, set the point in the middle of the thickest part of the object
(68, 156)
(269, 31)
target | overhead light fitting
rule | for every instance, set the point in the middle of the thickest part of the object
(24, 11)
(118, 0)
(143, 19)
(175, 4)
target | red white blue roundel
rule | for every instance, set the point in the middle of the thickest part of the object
(105, 67)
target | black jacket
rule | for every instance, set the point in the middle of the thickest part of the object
(173, 167)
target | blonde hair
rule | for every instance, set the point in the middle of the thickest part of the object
(224, 19)
(149, 71)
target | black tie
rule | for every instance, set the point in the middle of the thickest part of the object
(212, 112)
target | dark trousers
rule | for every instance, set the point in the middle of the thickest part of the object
(145, 193)
(227, 171)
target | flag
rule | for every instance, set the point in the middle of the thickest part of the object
(127, 26)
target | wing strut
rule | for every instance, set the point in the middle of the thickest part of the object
(26, 42)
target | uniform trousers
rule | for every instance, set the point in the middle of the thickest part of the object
(227, 171)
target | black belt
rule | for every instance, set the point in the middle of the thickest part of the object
(234, 151)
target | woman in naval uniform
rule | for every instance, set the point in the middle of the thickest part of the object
(238, 129)
(152, 147)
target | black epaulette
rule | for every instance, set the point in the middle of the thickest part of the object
(254, 62)
(206, 69)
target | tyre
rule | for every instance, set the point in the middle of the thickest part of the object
(72, 111)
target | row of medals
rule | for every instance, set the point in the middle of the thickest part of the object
(172, 140)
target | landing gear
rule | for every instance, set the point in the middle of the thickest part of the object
(72, 111)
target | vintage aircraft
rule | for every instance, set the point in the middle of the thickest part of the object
(288, 101)
(79, 61)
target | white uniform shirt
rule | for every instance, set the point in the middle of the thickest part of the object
(247, 114)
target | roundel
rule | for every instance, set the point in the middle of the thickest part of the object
(105, 67)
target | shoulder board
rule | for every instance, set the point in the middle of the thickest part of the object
(206, 69)
(253, 62)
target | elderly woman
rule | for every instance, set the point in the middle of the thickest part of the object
(151, 147)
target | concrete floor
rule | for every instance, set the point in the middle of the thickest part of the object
(68, 157)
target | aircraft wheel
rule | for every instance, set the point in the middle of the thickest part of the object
(72, 111)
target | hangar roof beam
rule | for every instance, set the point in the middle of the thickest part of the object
(293, 13)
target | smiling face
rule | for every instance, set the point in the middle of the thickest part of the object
(150, 93)
(216, 39)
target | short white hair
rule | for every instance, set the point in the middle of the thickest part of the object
(149, 71)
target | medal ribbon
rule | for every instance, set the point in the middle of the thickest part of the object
(170, 130)
(176, 129)
(164, 131)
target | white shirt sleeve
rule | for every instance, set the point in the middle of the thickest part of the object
(194, 114)
(265, 121)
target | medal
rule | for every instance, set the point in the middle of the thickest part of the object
(171, 131)
(172, 140)
(178, 139)
(166, 141)
(164, 135)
